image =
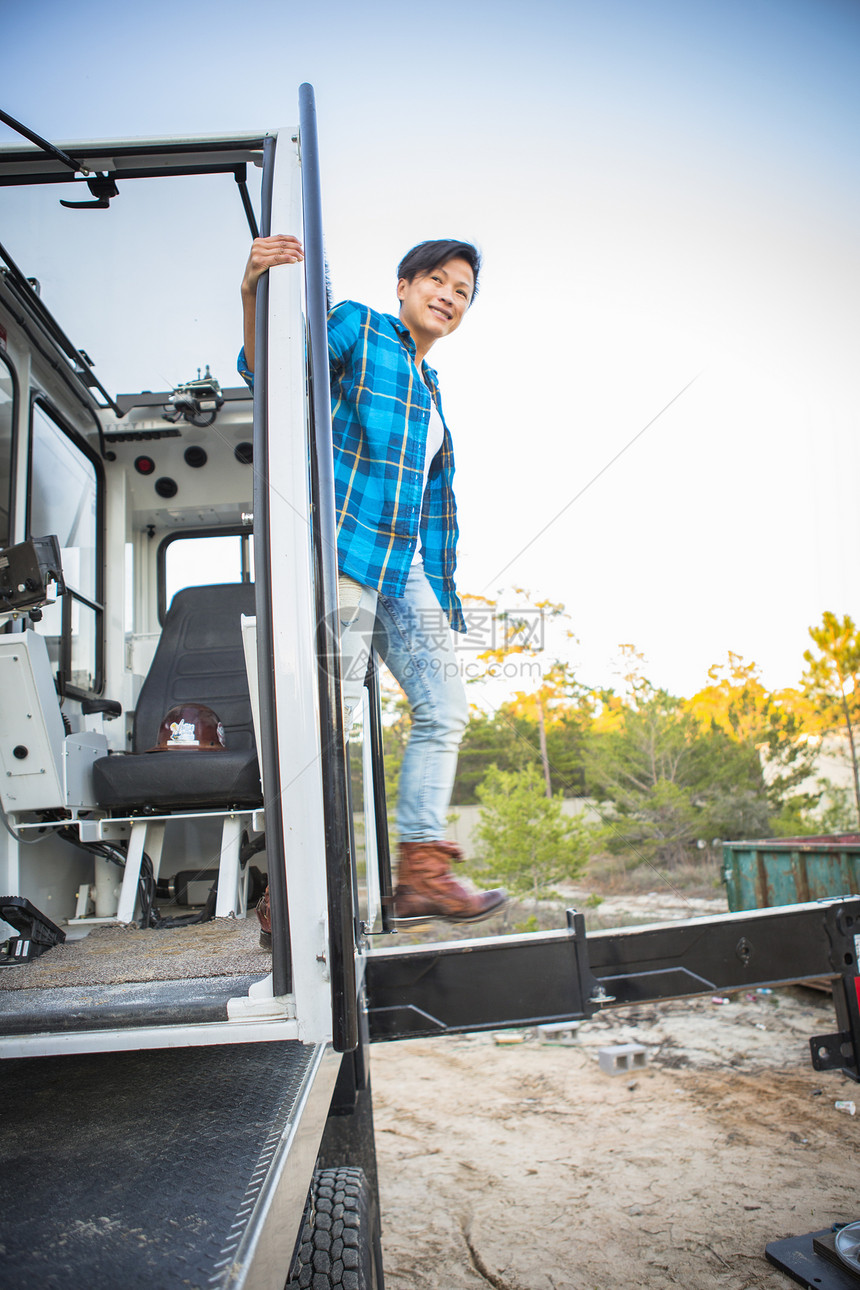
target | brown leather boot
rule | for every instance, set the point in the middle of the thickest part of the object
(265, 918)
(428, 889)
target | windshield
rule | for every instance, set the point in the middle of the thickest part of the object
(146, 320)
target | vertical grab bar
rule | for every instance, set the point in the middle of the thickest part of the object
(380, 802)
(341, 913)
(281, 966)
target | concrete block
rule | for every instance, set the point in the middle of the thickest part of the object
(621, 1059)
(559, 1032)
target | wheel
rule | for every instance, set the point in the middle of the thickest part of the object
(340, 1242)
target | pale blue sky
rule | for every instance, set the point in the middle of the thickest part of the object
(659, 190)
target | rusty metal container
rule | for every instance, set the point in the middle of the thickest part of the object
(789, 871)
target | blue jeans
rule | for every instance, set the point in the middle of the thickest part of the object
(411, 635)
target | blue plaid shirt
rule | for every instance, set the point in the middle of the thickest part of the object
(380, 414)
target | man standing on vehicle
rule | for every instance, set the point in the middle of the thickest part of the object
(397, 535)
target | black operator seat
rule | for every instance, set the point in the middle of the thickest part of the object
(199, 659)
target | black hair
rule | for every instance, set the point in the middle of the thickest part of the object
(427, 256)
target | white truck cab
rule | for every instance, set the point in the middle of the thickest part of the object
(165, 754)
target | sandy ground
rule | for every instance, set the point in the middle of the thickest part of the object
(525, 1167)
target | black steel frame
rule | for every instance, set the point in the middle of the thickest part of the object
(171, 160)
(552, 976)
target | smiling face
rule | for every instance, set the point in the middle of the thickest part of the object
(432, 305)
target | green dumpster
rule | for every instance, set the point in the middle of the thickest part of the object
(790, 871)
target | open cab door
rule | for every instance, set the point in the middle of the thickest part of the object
(164, 554)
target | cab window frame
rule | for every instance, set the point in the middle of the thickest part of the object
(13, 447)
(208, 531)
(72, 595)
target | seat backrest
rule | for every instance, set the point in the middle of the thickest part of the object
(200, 659)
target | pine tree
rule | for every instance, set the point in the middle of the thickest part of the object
(525, 839)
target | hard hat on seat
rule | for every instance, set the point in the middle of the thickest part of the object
(193, 727)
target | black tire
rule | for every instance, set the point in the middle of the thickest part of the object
(340, 1242)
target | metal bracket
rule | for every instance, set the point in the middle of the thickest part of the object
(810, 1261)
(592, 989)
(832, 1052)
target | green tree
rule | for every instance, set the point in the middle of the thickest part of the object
(519, 632)
(832, 680)
(494, 739)
(510, 740)
(668, 780)
(775, 723)
(525, 839)
(836, 813)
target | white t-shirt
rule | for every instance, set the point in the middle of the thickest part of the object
(435, 435)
